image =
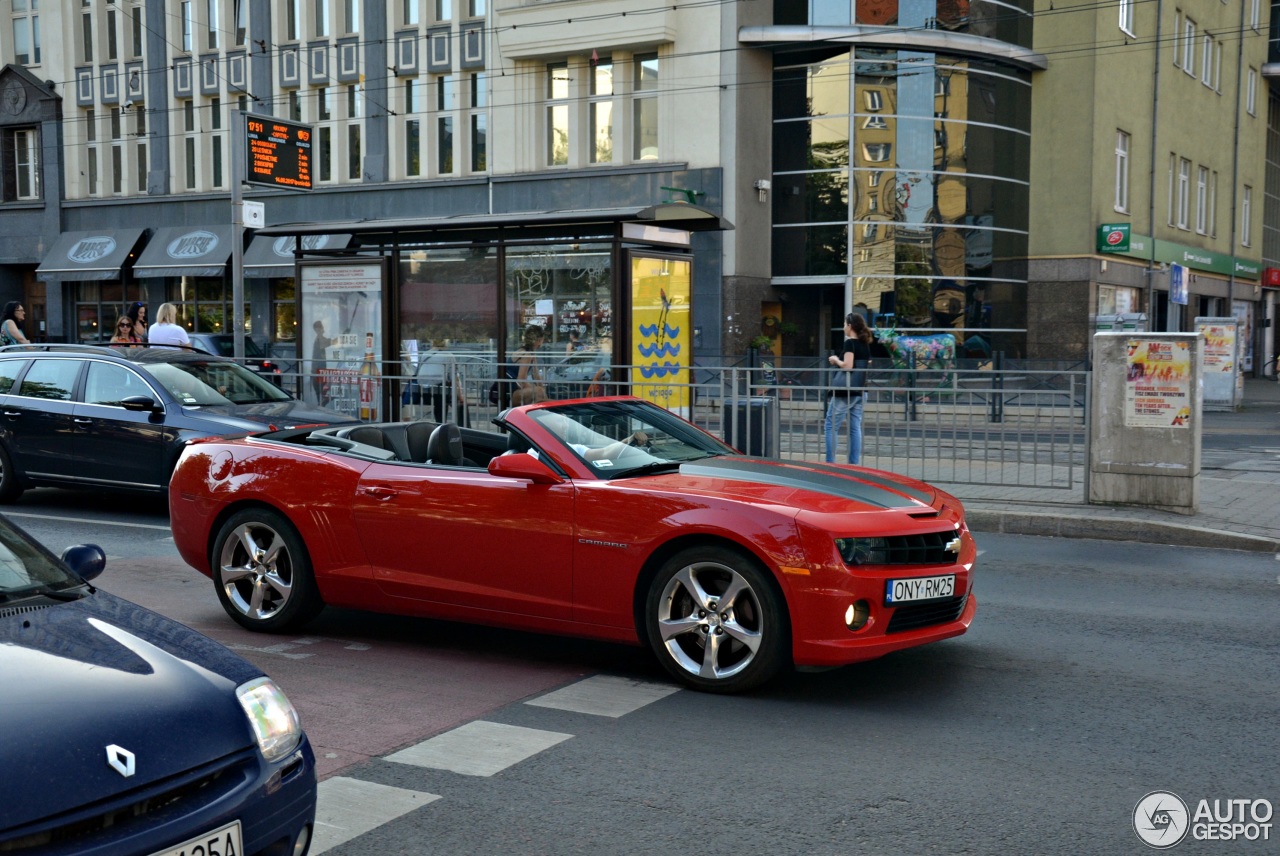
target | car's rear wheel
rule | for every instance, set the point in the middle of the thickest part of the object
(715, 620)
(262, 572)
(10, 485)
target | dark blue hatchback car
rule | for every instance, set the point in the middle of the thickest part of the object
(125, 733)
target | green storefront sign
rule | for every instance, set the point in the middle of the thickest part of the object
(1139, 246)
(1113, 238)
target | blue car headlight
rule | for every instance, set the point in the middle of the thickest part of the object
(272, 717)
(863, 551)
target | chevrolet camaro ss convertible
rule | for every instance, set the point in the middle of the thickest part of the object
(609, 518)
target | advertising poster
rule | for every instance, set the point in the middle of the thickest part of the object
(341, 317)
(661, 334)
(1157, 390)
(1220, 363)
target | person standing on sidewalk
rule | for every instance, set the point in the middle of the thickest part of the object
(166, 330)
(846, 398)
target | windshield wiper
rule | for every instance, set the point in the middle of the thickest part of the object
(650, 469)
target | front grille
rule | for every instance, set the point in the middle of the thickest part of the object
(918, 615)
(151, 805)
(927, 548)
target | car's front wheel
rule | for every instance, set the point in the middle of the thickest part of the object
(714, 619)
(262, 572)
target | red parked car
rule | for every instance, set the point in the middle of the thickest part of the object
(608, 518)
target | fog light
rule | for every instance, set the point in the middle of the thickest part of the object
(304, 839)
(857, 614)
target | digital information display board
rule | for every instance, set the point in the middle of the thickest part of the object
(278, 153)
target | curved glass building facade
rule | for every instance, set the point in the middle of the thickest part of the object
(900, 176)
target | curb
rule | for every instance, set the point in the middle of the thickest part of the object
(1115, 529)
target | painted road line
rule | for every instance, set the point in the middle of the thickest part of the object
(478, 748)
(347, 808)
(87, 520)
(605, 695)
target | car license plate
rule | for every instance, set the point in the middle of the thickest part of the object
(224, 841)
(919, 588)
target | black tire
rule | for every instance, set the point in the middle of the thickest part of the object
(684, 608)
(10, 485)
(262, 572)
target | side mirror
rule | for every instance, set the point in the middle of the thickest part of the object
(86, 560)
(141, 403)
(523, 466)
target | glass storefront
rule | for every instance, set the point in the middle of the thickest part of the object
(902, 173)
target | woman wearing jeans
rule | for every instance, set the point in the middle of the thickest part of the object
(846, 393)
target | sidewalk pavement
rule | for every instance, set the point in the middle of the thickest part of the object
(1239, 492)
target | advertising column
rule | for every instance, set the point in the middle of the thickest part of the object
(660, 334)
(341, 318)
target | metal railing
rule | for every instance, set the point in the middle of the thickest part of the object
(991, 428)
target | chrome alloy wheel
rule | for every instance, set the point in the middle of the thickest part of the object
(710, 620)
(256, 570)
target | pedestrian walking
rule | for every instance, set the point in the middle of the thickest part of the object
(846, 398)
(15, 315)
(166, 330)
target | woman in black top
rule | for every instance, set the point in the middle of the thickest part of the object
(846, 391)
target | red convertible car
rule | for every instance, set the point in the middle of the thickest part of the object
(608, 518)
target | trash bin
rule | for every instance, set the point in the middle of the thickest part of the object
(751, 426)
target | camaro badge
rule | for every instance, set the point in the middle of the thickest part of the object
(953, 546)
(120, 759)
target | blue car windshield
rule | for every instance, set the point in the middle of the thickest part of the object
(621, 438)
(26, 569)
(206, 383)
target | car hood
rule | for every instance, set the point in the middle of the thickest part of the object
(803, 486)
(81, 676)
(281, 414)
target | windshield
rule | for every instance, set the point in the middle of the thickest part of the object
(200, 383)
(25, 569)
(620, 438)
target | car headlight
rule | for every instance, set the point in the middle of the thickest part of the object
(863, 551)
(271, 716)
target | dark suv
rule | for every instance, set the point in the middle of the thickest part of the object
(92, 417)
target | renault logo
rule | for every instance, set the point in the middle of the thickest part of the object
(120, 759)
(953, 546)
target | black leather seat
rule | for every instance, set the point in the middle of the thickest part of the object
(369, 435)
(418, 437)
(445, 446)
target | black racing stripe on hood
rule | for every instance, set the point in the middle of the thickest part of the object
(923, 496)
(831, 481)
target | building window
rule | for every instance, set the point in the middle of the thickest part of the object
(242, 22)
(136, 31)
(113, 45)
(295, 106)
(211, 24)
(1184, 192)
(1251, 92)
(26, 32)
(645, 108)
(189, 151)
(444, 143)
(479, 143)
(1246, 216)
(874, 100)
(91, 170)
(326, 154)
(1189, 46)
(322, 18)
(1213, 204)
(187, 23)
(877, 152)
(1255, 13)
(601, 107)
(412, 148)
(21, 159)
(217, 161)
(351, 15)
(1202, 200)
(86, 37)
(409, 13)
(117, 169)
(142, 167)
(558, 114)
(476, 8)
(1122, 171)
(293, 20)
(444, 10)
(1126, 16)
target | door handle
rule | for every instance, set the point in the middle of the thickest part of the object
(80, 420)
(13, 414)
(380, 493)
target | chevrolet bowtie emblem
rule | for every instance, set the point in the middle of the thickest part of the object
(120, 759)
(953, 546)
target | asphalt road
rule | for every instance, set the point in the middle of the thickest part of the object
(1095, 673)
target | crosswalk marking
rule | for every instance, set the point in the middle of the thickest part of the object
(346, 808)
(605, 695)
(478, 748)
